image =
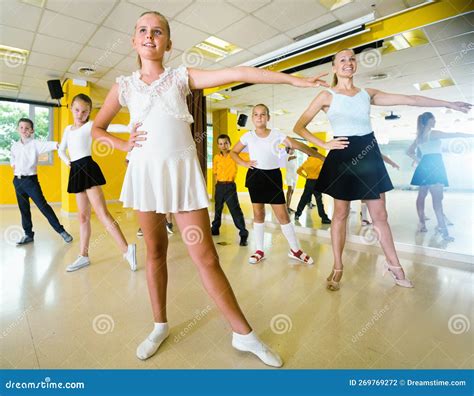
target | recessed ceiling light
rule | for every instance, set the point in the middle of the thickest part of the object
(217, 97)
(13, 57)
(379, 76)
(334, 4)
(413, 38)
(86, 70)
(444, 82)
(216, 49)
(4, 86)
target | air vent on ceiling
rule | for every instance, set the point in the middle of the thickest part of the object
(86, 70)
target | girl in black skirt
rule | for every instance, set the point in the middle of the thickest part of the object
(85, 179)
(357, 172)
(264, 180)
(430, 173)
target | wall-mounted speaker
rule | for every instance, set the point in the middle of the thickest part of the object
(55, 89)
(242, 120)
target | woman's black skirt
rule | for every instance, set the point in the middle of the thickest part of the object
(265, 186)
(356, 172)
(84, 174)
(430, 171)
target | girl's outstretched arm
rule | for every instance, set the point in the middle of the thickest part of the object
(200, 79)
(381, 98)
(105, 116)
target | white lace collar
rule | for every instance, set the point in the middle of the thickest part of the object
(137, 78)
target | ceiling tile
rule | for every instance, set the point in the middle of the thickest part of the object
(451, 27)
(112, 40)
(460, 44)
(34, 82)
(248, 32)
(87, 10)
(316, 23)
(11, 68)
(99, 57)
(249, 5)
(169, 8)
(210, 16)
(184, 37)
(385, 8)
(457, 59)
(352, 11)
(271, 44)
(123, 17)
(48, 61)
(128, 63)
(54, 24)
(13, 37)
(53, 46)
(285, 15)
(237, 59)
(11, 78)
(14, 13)
(38, 72)
(100, 70)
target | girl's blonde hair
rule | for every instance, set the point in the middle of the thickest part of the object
(264, 106)
(421, 125)
(333, 59)
(167, 27)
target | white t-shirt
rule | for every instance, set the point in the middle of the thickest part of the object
(264, 150)
(24, 156)
(77, 141)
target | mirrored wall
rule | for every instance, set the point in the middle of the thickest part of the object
(435, 61)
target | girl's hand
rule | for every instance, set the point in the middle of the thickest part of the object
(336, 144)
(135, 136)
(311, 81)
(460, 106)
(250, 164)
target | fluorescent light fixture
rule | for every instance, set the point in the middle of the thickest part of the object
(334, 4)
(216, 49)
(400, 42)
(217, 97)
(279, 112)
(4, 86)
(441, 83)
(12, 56)
(330, 36)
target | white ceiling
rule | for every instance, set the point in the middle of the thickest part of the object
(66, 34)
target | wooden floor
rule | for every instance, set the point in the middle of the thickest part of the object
(95, 317)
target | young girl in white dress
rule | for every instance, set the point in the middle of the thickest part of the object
(85, 179)
(164, 175)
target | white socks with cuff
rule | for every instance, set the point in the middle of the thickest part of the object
(151, 344)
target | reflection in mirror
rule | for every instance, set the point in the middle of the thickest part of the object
(430, 168)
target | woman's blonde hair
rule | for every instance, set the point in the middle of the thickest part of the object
(421, 125)
(333, 59)
(167, 27)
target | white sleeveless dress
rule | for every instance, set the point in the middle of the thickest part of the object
(164, 175)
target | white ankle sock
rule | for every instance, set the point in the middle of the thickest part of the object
(258, 229)
(290, 235)
(251, 343)
(151, 344)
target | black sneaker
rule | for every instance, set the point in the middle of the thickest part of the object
(66, 236)
(24, 240)
(243, 241)
(214, 232)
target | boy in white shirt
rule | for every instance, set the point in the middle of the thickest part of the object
(24, 160)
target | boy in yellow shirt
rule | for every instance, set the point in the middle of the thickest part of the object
(310, 170)
(225, 171)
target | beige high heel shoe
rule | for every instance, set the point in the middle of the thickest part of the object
(332, 284)
(400, 282)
